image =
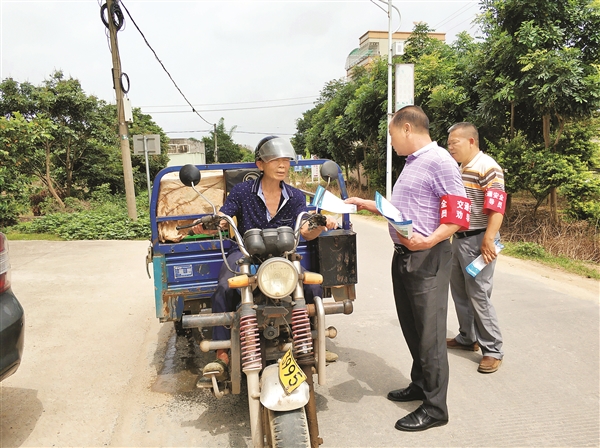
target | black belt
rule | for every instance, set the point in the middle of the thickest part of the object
(402, 250)
(460, 235)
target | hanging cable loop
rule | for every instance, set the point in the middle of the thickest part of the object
(116, 15)
(123, 89)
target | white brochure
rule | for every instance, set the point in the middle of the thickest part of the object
(393, 215)
(328, 201)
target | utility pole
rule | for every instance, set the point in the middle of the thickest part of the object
(123, 131)
(390, 110)
(216, 150)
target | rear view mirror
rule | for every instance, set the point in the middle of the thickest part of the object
(329, 171)
(189, 175)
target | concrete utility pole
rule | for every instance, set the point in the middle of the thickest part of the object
(390, 110)
(123, 131)
(216, 150)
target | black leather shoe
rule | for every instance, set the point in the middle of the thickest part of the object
(410, 393)
(418, 420)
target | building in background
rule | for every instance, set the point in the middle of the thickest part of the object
(375, 44)
(183, 151)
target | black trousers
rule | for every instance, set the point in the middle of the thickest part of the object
(420, 281)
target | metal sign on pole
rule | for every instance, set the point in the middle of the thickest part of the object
(315, 173)
(405, 85)
(146, 144)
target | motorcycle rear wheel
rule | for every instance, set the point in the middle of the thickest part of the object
(288, 429)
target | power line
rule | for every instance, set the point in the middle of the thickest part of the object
(228, 110)
(451, 17)
(236, 131)
(459, 24)
(237, 102)
(163, 66)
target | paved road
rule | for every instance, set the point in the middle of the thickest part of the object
(99, 370)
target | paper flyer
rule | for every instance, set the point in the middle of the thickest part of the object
(393, 215)
(328, 201)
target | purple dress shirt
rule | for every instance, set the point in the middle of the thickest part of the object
(429, 174)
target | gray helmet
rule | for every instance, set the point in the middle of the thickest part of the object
(273, 147)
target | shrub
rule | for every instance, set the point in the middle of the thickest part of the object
(106, 221)
(532, 250)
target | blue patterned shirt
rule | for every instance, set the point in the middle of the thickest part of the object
(246, 203)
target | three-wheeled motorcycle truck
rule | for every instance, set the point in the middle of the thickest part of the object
(277, 339)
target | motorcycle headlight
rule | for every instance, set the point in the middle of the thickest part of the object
(277, 278)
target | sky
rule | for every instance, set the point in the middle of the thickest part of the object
(257, 64)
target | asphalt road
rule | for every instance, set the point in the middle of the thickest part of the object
(100, 370)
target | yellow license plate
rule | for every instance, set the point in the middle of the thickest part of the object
(290, 373)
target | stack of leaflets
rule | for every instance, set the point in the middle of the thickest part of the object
(393, 215)
(328, 201)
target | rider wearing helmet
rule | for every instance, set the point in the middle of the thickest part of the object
(273, 147)
(265, 202)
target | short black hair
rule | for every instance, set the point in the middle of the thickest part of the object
(469, 128)
(413, 115)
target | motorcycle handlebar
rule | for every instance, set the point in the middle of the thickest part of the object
(302, 217)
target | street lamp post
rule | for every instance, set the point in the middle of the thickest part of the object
(390, 102)
(390, 109)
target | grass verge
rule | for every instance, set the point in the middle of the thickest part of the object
(534, 252)
(32, 236)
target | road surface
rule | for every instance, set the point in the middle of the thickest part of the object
(100, 370)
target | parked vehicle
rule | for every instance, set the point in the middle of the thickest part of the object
(12, 318)
(277, 339)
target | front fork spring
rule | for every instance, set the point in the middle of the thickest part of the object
(250, 342)
(303, 346)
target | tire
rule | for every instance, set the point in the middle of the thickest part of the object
(288, 429)
(179, 330)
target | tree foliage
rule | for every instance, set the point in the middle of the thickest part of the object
(228, 150)
(531, 86)
(540, 72)
(64, 139)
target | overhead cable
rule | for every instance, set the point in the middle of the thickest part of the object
(227, 110)
(455, 15)
(163, 66)
(235, 102)
(236, 131)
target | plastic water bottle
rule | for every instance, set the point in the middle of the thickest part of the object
(479, 263)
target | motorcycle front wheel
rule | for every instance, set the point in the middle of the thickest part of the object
(288, 429)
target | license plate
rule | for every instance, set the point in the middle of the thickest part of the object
(290, 373)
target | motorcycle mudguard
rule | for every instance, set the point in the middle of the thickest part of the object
(272, 395)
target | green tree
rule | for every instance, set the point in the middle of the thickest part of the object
(16, 140)
(58, 129)
(228, 150)
(540, 71)
(67, 139)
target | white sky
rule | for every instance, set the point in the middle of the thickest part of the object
(257, 64)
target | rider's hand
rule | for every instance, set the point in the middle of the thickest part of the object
(199, 228)
(331, 223)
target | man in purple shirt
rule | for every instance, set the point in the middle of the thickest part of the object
(421, 264)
